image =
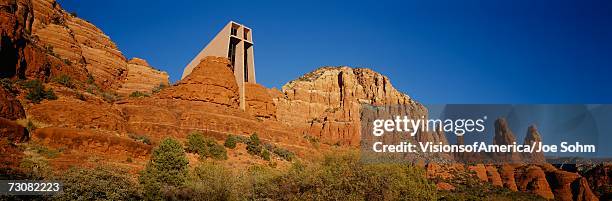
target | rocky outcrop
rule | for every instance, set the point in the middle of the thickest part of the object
(259, 102)
(212, 81)
(142, 77)
(598, 177)
(581, 190)
(533, 136)
(568, 185)
(15, 23)
(480, 171)
(494, 176)
(326, 102)
(78, 44)
(504, 136)
(21, 55)
(10, 107)
(12, 132)
(533, 179)
(507, 176)
(71, 113)
(91, 141)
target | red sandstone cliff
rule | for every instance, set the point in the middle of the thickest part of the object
(142, 77)
(326, 103)
(42, 41)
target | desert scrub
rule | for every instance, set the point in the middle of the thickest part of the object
(65, 80)
(231, 141)
(206, 147)
(138, 94)
(37, 92)
(159, 87)
(140, 138)
(101, 183)
(110, 97)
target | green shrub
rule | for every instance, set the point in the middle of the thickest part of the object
(98, 184)
(138, 94)
(217, 152)
(283, 153)
(254, 146)
(140, 138)
(231, 141)
(37, 91)
(213, 182)
(166, 169)
(205, 146)
(159, 88)
(265, 154)
(343, 177)
(110, 97)
(65, 80)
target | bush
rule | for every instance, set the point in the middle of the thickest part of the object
(265, 154)
(159, 88)
(109, 97)
(65, 80)
(283, 153)
(37, 91)
(254, 145)
(231, 141)
(213, 182)
(140, 138)
(205, 147)
(166, 169)
(343, 177)
(98, 184)
(138, 94)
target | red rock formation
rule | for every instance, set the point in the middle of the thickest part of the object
(91, 141)
(10, 107)
(71, 113)
(12, 132)
(533, 136)
(507, 176)
(212, 81)
(480, 171)
(581, 190)
(142, 77)
(494, 176)
(78, 43)
(326, 102)
(259, 102)
(568, 185)
(503, 135)
(445, 186)
(599, 179)
(533, 179)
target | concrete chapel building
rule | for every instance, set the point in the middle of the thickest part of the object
(234, 41)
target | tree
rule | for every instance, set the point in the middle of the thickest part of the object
(166, 169)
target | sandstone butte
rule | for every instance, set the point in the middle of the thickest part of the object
(95, 119)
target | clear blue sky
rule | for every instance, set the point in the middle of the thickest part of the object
(435, 51)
